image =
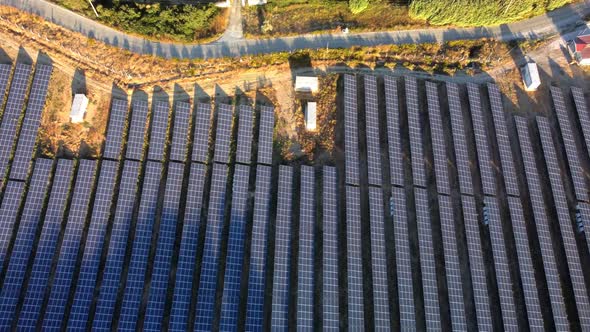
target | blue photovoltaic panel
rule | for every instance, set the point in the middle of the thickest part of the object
(438, 139)
(235, 250)
(111, 277)
(584, 209)
(452, 265)
(114, 136)
(164, 248)
(542, 225)
(223, 133)
(525, 263)
(30, 127)
(282, 261)
(8, 214)
(567, 233)
(427, 263)
(33, 296)
(137, 130)
(245, 128)
(501, 264)
(188, 249)
(330, 306)
(354, 259)
(379, 260)
(94, 243)
(402, 260)
(478, 272)
(503, 141)
(265, 134)
(180, 132)
(351, 144)
(160, 111)
(414, 127)
(305, 273)
(393, 133)
(483, 148)
(201, 136)
(256, 284)
(583, 116)
(459, 139)
(144, 228)
(372, 122)
(68, 253)
(25, 236)
(5, 70)
(211, 251)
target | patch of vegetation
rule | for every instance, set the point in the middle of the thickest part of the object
(480, 12)
(358, 6)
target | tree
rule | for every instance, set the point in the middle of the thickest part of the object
(357, 6)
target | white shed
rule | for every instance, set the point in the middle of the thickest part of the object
(530, 76)
(310, 115)
(306, 84)
(78, 108)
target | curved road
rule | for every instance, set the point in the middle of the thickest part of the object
(557, 21)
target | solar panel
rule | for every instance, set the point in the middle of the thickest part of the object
(188, 249)
(5, 70)
(438, 139)
(235, 250)
(481, 140)
(211, 251)
(280, 282)
(245, 127)
(256, 284)
(503, 140)
(305, 273)
(501, 264)
(427, 263)
(9, 214)
(30, 126)
(354, 259)
(23, 243)
(111, 278)
(413, 107)
(525, 262)
(478, 272)
(584, 210)
(94, 243)
(402, 260)
(137, 130)
(114, 136)
(160, 111)
(223, 133)
(379, 260)
(330, 277)
(180, 131)
(569, 240)
(266, 129)
(459, 139)
(393, 135)
(452, 265)
(164, 248)
(583, 116)
(372, 122)
(351, 144)
(141, 246)
(201, 136)
(542, 225)
(569, 142)
(70, 246)
(38, 280)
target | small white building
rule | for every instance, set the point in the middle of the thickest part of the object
(253, 2)
(310, 114)
(530, 77)
(306, 84)
(79, 106)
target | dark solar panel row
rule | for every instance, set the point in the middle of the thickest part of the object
(245, 134)
(114, 136)
(438, 139)
(414, 127)
(392, 108)
(584, 210)
(354, 260)
(305, 273)
(5, 70)
(459, 139)
(137, 130)
(9, 214)
(351, 144)
(330, 306)
(481, 140)
(542, 225)
(372, 130)
(582, 110)
(201, 135)
(159, 125)
(266, 130)
(223, 133)
(38, 280)
(180, 133)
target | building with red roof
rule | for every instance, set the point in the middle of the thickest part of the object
(580, 49)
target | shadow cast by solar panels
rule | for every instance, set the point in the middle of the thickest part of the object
(220, 95)
(200, 96)
(159, 94)
(79, 82)
(180, 94)
(139, 95)
(23, 56)
(4, 57)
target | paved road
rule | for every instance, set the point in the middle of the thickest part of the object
(556, 21)
(234, 30)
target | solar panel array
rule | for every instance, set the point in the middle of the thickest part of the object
(459, 139)
(330, 306)
(265, 135)
(235, 250)
(354, 259)
(372, 122)
(201, 135)
(159, 125)
(438, 139)
(481, 140)
(114, 136)
(245, 133)
(393, 135)
(37, 284)
(111, 277)
(584, 209)
(583, 116)
(573, 260)
(351, 144)
(9, 214)
(180, 132)
(5, 71)
(542, 225)
(223, 133)
(414, 126)
(305, 273)
(256, 284)
(137, 130)
(280, 282)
